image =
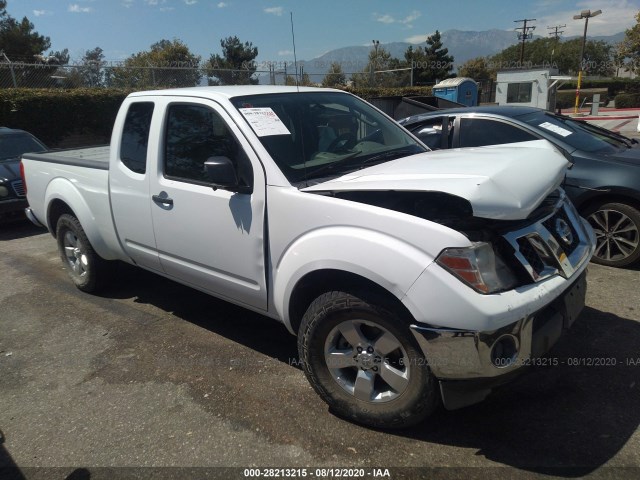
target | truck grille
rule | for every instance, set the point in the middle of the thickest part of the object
(558, 243)
(18, 188)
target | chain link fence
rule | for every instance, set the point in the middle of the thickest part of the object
(118, 75)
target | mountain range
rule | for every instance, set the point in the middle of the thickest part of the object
(463, 45)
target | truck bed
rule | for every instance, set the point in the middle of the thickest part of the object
(90, 157)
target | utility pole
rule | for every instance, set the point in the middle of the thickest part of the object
(556, 34)
(524, 35)
(556, 31)
(374, 65)
(586, 14)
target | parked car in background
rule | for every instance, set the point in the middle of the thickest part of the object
(603, 183)
(13, 143)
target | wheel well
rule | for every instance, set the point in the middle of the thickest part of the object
(57, 208)
(316, 283)
(585, 206)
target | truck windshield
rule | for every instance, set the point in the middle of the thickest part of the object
(314, 135)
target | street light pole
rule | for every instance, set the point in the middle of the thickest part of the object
(586, 14)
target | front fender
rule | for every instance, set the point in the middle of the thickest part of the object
(95, 218)
(385, 260)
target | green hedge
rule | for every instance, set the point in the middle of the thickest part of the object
(368, 93)
(54, 114)
(627, 100)
(69, 118)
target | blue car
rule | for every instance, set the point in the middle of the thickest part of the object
(603, 183)
(13, 143)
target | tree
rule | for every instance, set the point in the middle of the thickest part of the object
(631, 45)
(236, 65)
(92, 69)
(565, 56)
(372, 76)
(431, 63)
(303, 81)
(476, 68)
(334, 77)
(166, 64)
(18, 39)
(21, 44)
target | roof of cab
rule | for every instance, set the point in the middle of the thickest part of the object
(229, 91)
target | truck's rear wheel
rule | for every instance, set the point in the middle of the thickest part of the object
(85, 267)
(363, 361)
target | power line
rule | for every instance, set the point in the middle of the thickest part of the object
(525, 34)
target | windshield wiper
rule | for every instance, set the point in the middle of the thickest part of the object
(332, 165)
(389, 155)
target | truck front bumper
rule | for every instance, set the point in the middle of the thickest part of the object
(469, 364)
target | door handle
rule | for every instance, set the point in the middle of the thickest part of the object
(163, 200)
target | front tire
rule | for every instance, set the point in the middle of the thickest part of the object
(363, 361)
(85, 267)
(617, 229)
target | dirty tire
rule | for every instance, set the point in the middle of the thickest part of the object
(617, 229)
(88, 271)
(363, 361)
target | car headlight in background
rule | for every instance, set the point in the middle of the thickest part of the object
(479, 267)
(4, 191)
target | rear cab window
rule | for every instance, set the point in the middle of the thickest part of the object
(135, 136)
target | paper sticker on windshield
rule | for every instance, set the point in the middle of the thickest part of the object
(563, 132)
(264, 121)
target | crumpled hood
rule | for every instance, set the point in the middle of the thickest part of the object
(500, 182)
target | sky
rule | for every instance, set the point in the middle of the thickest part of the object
(124, 27)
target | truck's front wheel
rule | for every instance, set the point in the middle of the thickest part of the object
(86, 268)
(363, 361)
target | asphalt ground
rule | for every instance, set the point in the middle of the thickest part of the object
(155, 380)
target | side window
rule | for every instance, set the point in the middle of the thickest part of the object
(195, 133)
(430, 132)
(135, 136)
(478, 132)
(519, 92)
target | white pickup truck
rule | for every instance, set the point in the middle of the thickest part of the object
(409, 277)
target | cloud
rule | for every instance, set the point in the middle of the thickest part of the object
(190, 2)
(415, 39)
(75, 8)
(274, 11)
(166, 9)
(617, 16)
(384, 18)
(222, 5)
(127, 3)
(389, 19)
(285, 52)
(39, 13)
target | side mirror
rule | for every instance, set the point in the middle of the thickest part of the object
(222, 174)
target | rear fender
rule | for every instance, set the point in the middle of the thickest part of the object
(97, 222)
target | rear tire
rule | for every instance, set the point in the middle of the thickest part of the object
(363, 361)
(86, 268)
(617, 229)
